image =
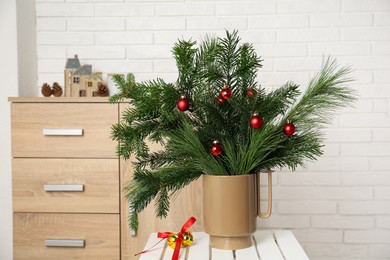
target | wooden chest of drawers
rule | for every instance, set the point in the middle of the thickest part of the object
(66, 189)
(67, 182)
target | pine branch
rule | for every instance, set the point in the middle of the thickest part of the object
(277, 102)
(125, 87)
(187, 136)
(186, 142)
(162, 203)
(184, 53)
(245, 156)
(147, 185)
(156, 160)
(325, 94)
(294, 151)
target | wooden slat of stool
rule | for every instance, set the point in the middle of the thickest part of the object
(289, 246)
(269, 245)
(155, 252)
(247, 253)
(200, 247)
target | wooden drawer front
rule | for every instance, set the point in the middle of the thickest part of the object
(51, 130)
(98, 178)
(100, 233)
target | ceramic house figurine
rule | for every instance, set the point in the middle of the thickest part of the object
(79, 79)
(93, 82)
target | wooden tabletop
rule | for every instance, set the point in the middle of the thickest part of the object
(267, 245)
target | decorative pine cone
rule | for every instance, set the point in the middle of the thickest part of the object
(103, 90)
(57, 90)
(46, 90)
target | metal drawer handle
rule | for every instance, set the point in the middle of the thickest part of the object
(63, 187)
(64, 243)
(62, 131)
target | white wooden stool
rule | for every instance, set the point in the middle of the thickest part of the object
(267, 245)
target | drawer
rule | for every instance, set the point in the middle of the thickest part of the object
(87, 236)
(97, 178)
(63, 130)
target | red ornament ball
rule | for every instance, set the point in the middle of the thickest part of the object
(183, 104)
(216, 148)
(251, 92)
(256, 121)
(226, 93)
(220, 100)
(289, 129)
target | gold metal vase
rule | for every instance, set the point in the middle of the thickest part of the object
(230, 207)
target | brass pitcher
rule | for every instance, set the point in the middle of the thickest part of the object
(231, 205)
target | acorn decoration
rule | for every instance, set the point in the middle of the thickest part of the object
(103, 90)
(46, 90)
(57, 90)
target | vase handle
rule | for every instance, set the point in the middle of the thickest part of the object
(269, 208)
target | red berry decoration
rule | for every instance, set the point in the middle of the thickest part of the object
(183, 104)
(289, 129)
(226, 92)
(251, 92)
(256, 121)
(216, 148)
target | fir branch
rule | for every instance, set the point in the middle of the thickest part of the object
(187, 136)
(244, 157)
(140, 192)
(125, 87)
(228, 57)
(294, 151)
(159, 184)
(184, 53)
(277, 102)
(206, 64)
(156, 160)
(247, 65)
(162, 203)
(186, 141)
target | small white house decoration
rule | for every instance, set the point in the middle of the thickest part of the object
(79, 80)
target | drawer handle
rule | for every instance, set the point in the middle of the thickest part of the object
(64, 243)
(62, 131)
(63, 187)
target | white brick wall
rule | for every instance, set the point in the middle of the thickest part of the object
(338, 207)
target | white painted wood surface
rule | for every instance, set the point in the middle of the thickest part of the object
(267, 245)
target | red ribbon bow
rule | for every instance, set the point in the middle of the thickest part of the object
(185, 227)
(164, 235)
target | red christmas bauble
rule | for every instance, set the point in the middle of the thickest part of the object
(256, 121)
(220, 100)
(216, 148)
(251, 92)
(226, 93)
(289, 129)
(183, 104)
